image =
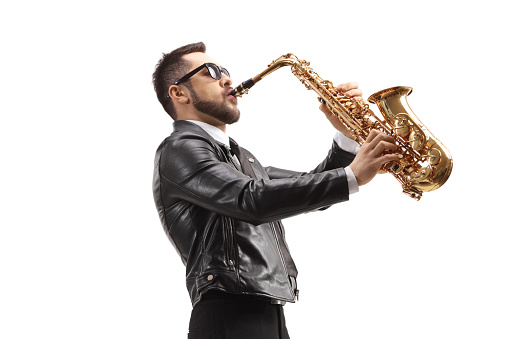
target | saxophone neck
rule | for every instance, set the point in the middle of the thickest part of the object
(284, 60)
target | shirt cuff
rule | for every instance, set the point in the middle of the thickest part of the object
(353, 187)
(346, 144)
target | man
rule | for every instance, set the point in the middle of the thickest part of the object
(221, 209)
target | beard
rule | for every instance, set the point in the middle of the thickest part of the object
(219, 110)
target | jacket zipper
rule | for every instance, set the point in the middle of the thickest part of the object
(273, 225)
(229, 244)
(229, 227)
(230, 252)
(280, 242)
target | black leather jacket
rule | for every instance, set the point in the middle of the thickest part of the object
(222, 222)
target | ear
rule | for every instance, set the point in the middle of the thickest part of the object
(178, 94)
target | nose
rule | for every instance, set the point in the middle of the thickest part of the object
(225, 80)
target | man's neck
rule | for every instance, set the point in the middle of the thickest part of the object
(198, 116)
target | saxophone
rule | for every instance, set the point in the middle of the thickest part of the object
(426, 163)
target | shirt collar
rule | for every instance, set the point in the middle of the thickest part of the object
(214, 132)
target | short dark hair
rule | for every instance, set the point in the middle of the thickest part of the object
(169, 69)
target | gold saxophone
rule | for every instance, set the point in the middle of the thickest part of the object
(426, 164)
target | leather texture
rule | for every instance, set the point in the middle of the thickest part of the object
(223, 223)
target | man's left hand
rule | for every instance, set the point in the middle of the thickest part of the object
(352, 90)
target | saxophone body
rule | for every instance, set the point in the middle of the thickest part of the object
(426, 163)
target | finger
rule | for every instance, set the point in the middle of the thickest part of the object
(383, 146)
(355, 92)
(372, 134)
(388, 158)
(324, 109)
(381, 136)
(361, 100)
(347, 86)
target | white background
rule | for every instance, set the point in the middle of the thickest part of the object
(82, 251)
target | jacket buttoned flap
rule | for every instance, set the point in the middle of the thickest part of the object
(217, 280)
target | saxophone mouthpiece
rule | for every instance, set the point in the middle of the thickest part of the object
(243, 88)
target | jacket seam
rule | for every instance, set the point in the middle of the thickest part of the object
(160, 198)
(270, 217)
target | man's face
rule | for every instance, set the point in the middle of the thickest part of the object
(209, 96)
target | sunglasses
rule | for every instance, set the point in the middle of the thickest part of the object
(215, 71)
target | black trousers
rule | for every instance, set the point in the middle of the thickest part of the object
(227, 316)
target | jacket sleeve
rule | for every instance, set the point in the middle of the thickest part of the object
(189, 168)
(336, 158)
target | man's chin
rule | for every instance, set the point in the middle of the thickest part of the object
(232, 116)
(227, 114)
(237, 117)
(234, 121)
(231, 120)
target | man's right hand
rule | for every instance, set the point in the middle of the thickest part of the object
(371, 156)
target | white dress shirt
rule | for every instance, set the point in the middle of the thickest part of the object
(341, 140)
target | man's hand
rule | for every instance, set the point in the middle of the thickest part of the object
(371, 156)
(352, 90)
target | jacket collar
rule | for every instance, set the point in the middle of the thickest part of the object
(188, 126)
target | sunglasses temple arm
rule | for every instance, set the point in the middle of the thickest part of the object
(245, 86)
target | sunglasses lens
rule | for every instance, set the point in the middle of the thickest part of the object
(214, 71)
(225, 72)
